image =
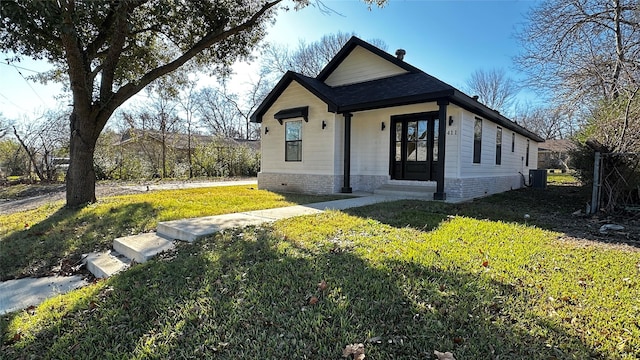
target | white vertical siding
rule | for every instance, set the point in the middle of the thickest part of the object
(533, 160)
(318, 145)
(338, 135)
(362, 65)
(512, 162)
(370, 146)
(453, 142)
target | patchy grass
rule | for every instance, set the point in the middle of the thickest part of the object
(404, 279)
(562, 179)
(34, 242)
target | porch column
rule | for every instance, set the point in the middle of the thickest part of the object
(346, 185)
(442, 135)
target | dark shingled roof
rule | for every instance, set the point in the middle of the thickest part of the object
(413, 87)
(419, 86)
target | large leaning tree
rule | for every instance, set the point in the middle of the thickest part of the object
(582, 51)
(107, 51)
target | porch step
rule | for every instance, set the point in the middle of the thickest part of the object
(193, 229)
(104, 264)
(423, 192)
(142, 247)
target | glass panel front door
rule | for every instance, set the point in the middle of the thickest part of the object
(414, 147)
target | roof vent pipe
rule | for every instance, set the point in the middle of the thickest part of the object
(400, 53)
(475, 97)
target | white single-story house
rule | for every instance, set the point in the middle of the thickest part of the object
(370, 120)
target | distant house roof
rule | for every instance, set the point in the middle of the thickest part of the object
(556, 145)
(413, 87)
(181, 141)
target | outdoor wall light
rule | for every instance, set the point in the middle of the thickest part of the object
(383, 126)
(266, 130)
(450, 120)
(324, 124)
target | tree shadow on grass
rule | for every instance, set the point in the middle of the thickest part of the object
(511, 206)
(299, 198)
(550, 209)
(251, 294)
(59, 241)
(553, 209)
(416, 214)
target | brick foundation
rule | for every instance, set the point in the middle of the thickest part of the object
(470, 188)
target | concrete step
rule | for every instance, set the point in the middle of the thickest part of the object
(192, 229)
(407, 191)
(104, 264)
(142, 247)
(412, 183)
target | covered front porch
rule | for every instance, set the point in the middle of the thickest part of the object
(415, 155)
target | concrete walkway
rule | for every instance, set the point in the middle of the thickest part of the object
(192, 229)
(22, 293)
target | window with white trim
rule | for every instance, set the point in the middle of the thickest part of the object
(499, 146)
(293, 140)
(477, 141)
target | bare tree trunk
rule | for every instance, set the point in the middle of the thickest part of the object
(81, 177)
(47, 166)
(30, 154)
(189, 158)
(163, 127)
(625, 121)
(619, 49)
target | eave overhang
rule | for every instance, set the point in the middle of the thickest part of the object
(468, 103)
(315, 87)
(399, 101)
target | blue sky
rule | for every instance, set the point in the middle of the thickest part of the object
(447, 39)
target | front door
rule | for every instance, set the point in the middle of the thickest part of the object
(414, 146)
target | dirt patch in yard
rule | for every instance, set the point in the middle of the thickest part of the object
(561, 208)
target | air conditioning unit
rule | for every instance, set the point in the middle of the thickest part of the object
(538, 178)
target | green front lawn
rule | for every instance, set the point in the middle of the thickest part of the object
(404, 279)
(33, 242)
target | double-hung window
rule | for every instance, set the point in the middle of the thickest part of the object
(499, 146)
(293, 140)
(477, 141)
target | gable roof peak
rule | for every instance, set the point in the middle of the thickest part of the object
(354, 42)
